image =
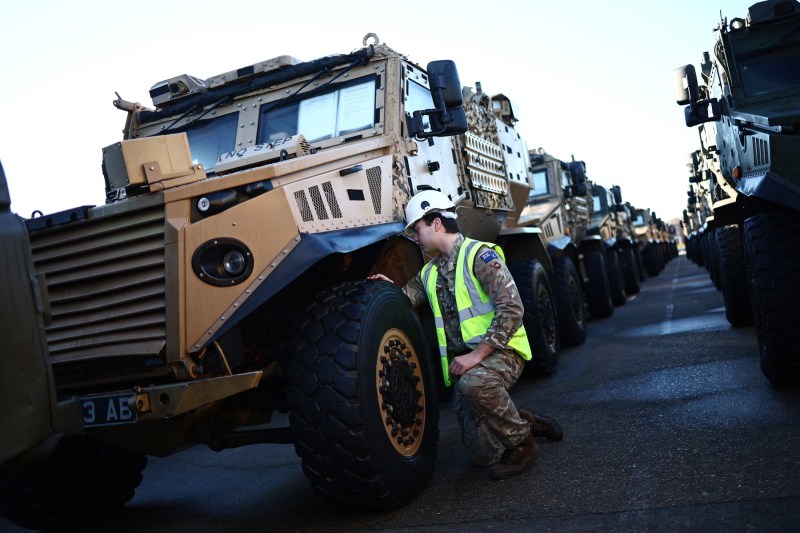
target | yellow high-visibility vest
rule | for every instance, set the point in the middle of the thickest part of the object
(475, 309)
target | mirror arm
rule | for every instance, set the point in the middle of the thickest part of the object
(415, 123)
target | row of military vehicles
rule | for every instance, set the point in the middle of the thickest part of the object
(744, 194)
(221, 288)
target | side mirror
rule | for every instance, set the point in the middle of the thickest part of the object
(684, 80)
(445, 84)
(448, 118)
(694, 160)
(617, 192)
(577, 170)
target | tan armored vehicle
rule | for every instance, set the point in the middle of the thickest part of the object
(223, 281)
(560, 203)
(33, 421)
(605, 225)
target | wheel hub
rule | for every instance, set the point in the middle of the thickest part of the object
(401, 392)
(546, 314)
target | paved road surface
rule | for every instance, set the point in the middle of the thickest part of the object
(669, 425)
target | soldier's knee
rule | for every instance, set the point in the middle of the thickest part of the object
(469, 387)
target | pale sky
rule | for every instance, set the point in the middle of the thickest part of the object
(590, 78)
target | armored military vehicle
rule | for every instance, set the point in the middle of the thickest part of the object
(559, 203)
(750, 99)
(630, 256)
(651, 244)
(698, 206)
(224, 279)
(34, 422)
(617, 243)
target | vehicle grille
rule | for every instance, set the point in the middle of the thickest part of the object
(106, 285)
(760, 152)
(324, 205)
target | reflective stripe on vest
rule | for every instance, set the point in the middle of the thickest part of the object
(475, 308)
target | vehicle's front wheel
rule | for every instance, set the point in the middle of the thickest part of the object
(569, 302)
(713, 264)
(772, 256)
(364, 413)
(84, 479)
(630, 270)
(616, 280)
(598, 292)
(540, 318)
(651, 259)
(733, 277)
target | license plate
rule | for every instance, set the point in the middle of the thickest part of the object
(110, 410)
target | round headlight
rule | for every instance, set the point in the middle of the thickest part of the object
(234, 262)
(223, 262)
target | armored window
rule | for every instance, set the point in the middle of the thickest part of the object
(208, 139)
(774, 71)
(321, 114)
(539, 185)
(596, 203)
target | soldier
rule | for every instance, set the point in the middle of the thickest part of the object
(482, 341)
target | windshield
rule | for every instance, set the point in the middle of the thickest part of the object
(776, 70)
(208, 139)
(344, 109)
(597, 204)
(539, 184)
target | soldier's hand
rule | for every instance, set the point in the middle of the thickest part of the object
(462, 363)
(380, 277)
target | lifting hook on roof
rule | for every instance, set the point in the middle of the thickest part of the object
(372, 36)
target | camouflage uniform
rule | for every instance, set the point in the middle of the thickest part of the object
(488, 418)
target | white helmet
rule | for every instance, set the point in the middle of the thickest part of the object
(424, 201)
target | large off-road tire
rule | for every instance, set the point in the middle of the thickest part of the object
(569, 302)
(598, 293)
(540, 318)
(637, 252)
(630, 271)
(616, 279)
(84, 480)
(699, 256)
(772, 256)
(651, 263)
(364, 413)
(733, 277)
(713, 263)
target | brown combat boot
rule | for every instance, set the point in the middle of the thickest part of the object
(541, 426)
(516, 460)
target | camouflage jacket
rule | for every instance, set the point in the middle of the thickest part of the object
(496, 281)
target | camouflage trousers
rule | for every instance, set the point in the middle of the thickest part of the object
(489, 421)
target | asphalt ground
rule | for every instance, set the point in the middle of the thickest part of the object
(669, 425)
